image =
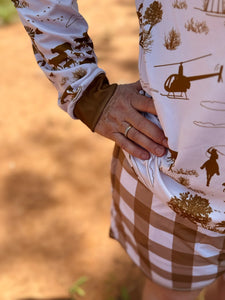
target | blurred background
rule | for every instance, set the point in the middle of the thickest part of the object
(55, 174)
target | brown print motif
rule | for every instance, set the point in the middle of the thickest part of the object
(79, 73)
(220, 225)
(64, 80)
(70, 94)
(214, 106)
(148, 19)
(180, 4)
(172, 40)
(209, 124)
(66, 52)
(32, 33)
(186, 172)
(211, 166)
(62, 59)
(184, 181)
(196, 26)
(223, 184)
(182, 176)
(193, 207)
(20, 4)
(177, 84)
(172, 158)
(214, 8)
(84, 42)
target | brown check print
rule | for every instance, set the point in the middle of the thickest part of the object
(170, 250)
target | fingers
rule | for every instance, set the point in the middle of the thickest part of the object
(146, 127)
(144, 142)
(123, 110)
(131, 147)
(144, 104)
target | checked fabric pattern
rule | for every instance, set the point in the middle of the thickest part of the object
(169, 249)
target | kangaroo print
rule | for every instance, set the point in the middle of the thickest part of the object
(61, 46)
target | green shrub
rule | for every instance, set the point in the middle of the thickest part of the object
(8, 12)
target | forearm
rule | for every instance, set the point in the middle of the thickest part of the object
(90, 106)
(65, 53)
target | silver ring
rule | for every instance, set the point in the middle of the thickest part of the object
(127, 130)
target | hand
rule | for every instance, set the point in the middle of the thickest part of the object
(123, 110)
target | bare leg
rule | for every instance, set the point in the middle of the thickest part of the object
(216, 290)
(153, 291)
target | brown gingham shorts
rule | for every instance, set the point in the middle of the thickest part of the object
(170, 250)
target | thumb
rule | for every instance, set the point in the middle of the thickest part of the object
(137, 85)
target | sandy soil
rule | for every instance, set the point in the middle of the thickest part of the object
(54, 176)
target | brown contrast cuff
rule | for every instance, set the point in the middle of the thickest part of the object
(93, 101)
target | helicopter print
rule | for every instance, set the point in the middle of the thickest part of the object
(176, 85)
(213, 8)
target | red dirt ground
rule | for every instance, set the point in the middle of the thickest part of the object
(54, 175)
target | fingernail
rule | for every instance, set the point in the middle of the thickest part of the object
(165, 143)
(159, 151)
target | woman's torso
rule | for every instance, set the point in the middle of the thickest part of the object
(182, 54)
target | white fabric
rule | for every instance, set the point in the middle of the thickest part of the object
(193, 118)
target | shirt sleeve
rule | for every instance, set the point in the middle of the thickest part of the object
(65, 53)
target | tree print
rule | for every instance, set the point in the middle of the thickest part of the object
(193, 207)
(146, 41)
(139, 14)
(64, 81)
(186, 172)
(153, 15)
(184, 181)
(79, 73)
(148, 19)
(180, 4)
(20, 4)
(196, 26)
(221, 224)
(172, 40)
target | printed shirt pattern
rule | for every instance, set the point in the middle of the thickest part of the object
(182, 55)
(61, 45)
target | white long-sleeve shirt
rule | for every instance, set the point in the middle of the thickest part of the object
(61, 45)
(182, 54)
